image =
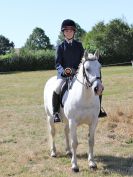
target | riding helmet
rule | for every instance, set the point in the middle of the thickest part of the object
(68, 24)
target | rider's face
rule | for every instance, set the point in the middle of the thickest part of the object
(69, 33)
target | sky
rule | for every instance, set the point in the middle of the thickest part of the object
(18, 18)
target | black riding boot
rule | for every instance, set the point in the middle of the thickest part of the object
(56, 107)
(102, 113)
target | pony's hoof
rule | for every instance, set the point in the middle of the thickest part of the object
(93, 165)
(75, 170)
(93, 168)
(53, 154)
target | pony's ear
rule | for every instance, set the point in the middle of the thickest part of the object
(96, 54)
(85, 54)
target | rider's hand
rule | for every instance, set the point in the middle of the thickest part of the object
(68, 72)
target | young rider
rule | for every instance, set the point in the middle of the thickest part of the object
(68, 55)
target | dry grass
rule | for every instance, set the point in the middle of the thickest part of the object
(24, 147)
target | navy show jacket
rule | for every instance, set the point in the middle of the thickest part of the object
(68, 55)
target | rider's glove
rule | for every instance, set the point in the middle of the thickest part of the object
(68, 72)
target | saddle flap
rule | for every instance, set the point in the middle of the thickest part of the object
(64, 88)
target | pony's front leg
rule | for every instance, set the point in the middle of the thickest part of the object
(52, 136)
(74, 144)
(91, 161)
(68, 150)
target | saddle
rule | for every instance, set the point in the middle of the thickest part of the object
(69, 74)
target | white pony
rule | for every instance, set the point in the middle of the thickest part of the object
(81, 105)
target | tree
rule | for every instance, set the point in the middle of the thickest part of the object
(130, 42)
(117, 37)
(38, 40)
(95, 38)
(79, 35)
(5, 45)
(114, 40)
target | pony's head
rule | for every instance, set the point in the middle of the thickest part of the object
(91, 69)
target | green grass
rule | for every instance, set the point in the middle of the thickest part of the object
(24, 141)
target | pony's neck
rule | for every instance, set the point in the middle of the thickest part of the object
(82, 88)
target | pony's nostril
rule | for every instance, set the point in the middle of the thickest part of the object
(96, 88)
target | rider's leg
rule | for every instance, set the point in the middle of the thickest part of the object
(56, 100)
(56, 106)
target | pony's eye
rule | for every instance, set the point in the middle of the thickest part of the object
(87, 69)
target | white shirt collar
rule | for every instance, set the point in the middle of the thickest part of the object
(69, 41)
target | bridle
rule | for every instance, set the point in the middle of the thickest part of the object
(88, 83)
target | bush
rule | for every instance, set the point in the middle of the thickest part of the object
(28, 61)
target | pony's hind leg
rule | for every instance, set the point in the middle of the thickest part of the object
(66, 130)
(51, 128)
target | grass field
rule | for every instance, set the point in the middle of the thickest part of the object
(24, 142)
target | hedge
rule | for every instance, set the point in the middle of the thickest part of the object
(31, 61)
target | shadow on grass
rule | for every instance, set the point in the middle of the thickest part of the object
(119, 165)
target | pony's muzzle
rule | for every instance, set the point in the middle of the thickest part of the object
(99, 89)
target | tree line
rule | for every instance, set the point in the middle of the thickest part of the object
(114, 41)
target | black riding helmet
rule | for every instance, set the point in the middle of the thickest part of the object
(68, 24)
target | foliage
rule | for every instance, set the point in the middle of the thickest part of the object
(8, 55)
(28, 60)
(95, 38)
(38, 40)
(5, 45)
(114, 40)
(80, 33)
(117, 37)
